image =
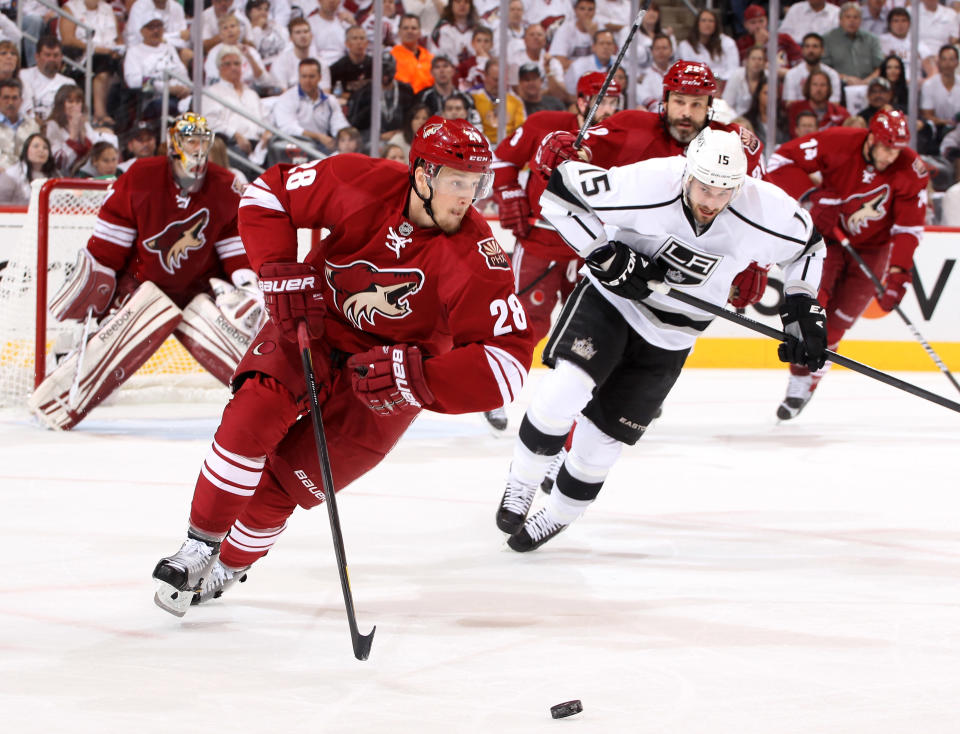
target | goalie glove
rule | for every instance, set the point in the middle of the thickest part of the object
(390, 379)
(514, 209)
(90, 285)
(291, 292)
(804, 322)
(241, 304)
(624, 271)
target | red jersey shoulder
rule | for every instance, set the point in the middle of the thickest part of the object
(751, 143)
(520, 147)
(144, 174)
(484, 253)
(220, 181)
(845, 142)
(909, 171)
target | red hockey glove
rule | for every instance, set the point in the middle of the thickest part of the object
(556, 148)
(390, 379)
(748, 286)
(514, 209)
(825, 211)
(805, 323)
(291, 291)
(894, 289)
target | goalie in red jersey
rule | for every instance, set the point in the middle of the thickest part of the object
(874, 193)
(409, 282)
(164, 243)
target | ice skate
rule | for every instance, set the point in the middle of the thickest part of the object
(497, 419)
(179, 575)
(514, 506)
(536, 531)
(799, 392)
(218, 580)
(551, 476)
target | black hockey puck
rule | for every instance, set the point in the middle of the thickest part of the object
(568, 708)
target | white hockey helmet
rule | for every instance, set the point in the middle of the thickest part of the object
(716, 158)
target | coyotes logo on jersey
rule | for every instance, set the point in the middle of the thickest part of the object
(361, 290)
(870, 207)
(173, 245)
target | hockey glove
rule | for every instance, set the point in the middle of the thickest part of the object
(804, 322)
(291, 291)
(390, 379)
(514, 209)
(90, 285)
(555, 148)
(624, 271)
(895, 287)
(241, 305)
(748, 286)
(825, 211)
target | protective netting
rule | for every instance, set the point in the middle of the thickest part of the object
(171, 374)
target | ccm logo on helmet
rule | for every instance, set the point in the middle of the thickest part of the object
(400, 377)
(287, 284)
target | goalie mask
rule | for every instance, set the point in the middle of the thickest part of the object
(188, 145)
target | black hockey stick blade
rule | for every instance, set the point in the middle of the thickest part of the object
(839, 359)
(361, 643)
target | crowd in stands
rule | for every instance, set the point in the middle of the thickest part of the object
(304, 66)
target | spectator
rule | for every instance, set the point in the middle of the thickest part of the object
(45, 78)
(651, 27)
(755, 23)
(854, 54)
(175, 29)
(286, 67)
(810, 16)
(241, 134)
(708, 44)
(107, 49)
(806, 123)
(548, 13)
(896, 41)
(140, 142)
(614, 15)
(940, 94)
(894, 71)
(738, 93)
(879, 97)
(329, 31)
(950, 153)
(457, 107)
(573, 40)
(470, 70)
(417, 115)
(267, 36)
(757, 116)
(68, 128)
(396, 98)
(252, 70)
(35, 19)
(486, 101)
(35, 162)
(452, 34)
(304, 111)
(349, 140)
(875, 18)
(211, 23)
(604, 49)
(10, 69)
(530, 90)
(650, 89)
(816, 97)
(412, 60)
(812, 49)
(389, 25)
(938, 24)
(101, 162)
(535, 52)
(442, 71)
(145, 63)
(15, 128)
(355, 68)
(393, 152)
(516, 25)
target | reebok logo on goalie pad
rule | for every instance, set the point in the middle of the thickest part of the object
(685, 265)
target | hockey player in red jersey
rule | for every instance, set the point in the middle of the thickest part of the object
(875, 191)
(164, 242)
(410, 281)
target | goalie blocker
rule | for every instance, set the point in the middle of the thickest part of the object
(127, 338)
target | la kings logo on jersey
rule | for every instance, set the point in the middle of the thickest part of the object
(686, 265)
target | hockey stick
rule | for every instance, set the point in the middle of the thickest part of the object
(606, 82)
(361, 643)
(75, 386)
(850, 364)
(878, 286)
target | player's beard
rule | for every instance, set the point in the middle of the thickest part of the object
(685, 134)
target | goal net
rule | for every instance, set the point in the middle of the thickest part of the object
(59, 222)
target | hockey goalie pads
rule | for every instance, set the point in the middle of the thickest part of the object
(118, 348)
(90, 285)
(219, 333)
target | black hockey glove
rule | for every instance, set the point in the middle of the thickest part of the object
(627, 273)
(804, 322)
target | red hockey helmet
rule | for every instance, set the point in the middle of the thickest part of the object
(689, 77)
(890, 127)
(590, 84)
(453, 143)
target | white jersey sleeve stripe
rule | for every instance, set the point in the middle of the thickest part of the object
(900, 229)
(230, 247)
(119, 229)
(508, 372)
(231, 472)
(103, 233)
(256, 196)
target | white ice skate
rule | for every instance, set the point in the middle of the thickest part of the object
(799, 392)
(218, 580)
(181, 574)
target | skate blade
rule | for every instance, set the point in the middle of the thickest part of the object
(171, 599)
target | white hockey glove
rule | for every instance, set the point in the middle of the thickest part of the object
(242, 304)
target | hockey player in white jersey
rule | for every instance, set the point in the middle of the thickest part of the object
(691, 223)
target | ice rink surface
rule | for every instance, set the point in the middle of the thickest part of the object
(735, 575)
